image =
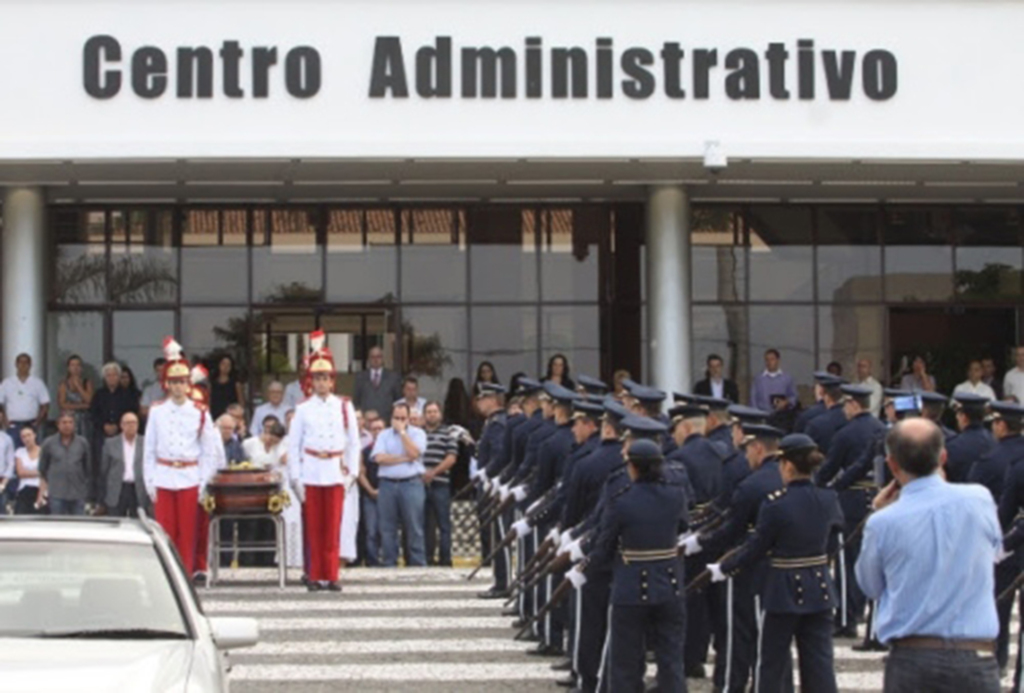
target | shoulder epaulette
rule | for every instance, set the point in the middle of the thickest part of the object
(775, 495)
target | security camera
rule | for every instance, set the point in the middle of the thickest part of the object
(715, 160)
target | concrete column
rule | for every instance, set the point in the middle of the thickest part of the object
(668, 288)
(24, 278)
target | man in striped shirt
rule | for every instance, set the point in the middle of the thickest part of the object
(442, 451)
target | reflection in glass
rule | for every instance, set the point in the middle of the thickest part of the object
(214, 257)
(790, 329)
(434, 255)
(143, 261)
(718, 260)
(918, 257)
(503, 245)
(137, 339)
(570, 245)
(849, 333)
(362, 260)
(575, 332)
(80, 260)
(436, 348)
(849, 254)
(208, 331)
(988, 254)
(505, 336)
(287, 265)
(781, 255)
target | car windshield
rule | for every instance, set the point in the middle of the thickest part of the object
(86, 590)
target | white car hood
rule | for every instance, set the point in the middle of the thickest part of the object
(94, 666)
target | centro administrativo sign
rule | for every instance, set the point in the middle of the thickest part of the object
(778, 70)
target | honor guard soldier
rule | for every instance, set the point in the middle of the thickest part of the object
(998, 471)
(810, 413)
(797, 529)
(489, 451)
(848, 446)
(647, 401)
(735, 467)
(199, 378)
(637, 541)
(591, 386)
(703, 461)
(719, 422)
(972, 442)
(822, 428)
(933, 406)
(323, 457)
(182, 452)
(733, 670)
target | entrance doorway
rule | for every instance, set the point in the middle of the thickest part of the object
(281, 340)
(949, 338)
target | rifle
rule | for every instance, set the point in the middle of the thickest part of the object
(500, 510)
(703, 578)
(509, 537)
(535, 564)
(556, 597)
(465, 491)
(1017, 583)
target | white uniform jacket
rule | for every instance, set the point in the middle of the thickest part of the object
(176, 436)
(323, 439)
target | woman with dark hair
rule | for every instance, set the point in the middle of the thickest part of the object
(797, 531)
(460, 415)
(26, 463)
(918, 379)
(558, 371)
(74, 394)
(131, 387)
(485, 373)
(225, 386)
(457, 406)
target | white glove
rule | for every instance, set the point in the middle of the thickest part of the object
(690, 544)
(479, 474)
(716, 572)
(300, 491)
(521, 528)
(520, 493)
(564, 541)
(503, 493)
(554, 536)
(576, 551)
(1002, 555)
(488, 484)
(576, 577)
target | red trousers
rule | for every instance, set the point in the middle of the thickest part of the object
(321, 516)
(202, 561)
(176, 513)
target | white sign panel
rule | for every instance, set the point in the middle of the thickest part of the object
(147, 79)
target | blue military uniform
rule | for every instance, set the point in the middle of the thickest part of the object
(489, 453)
(796, 530)
(637, 540)
(822, 428)
(592, 386)
(971, 444)
(850, 444)
(732, 672)
(999, 471)
(936, 402)
(703, 461)
(807, 415)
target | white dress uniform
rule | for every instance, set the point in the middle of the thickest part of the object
(323, 460)
(182, 453)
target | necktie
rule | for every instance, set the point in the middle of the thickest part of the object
(376, 378)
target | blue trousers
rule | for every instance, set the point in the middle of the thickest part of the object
(60, 506)
(813, 633)
(662, 627)
(402, 503)
(369, 516)
(439, 522)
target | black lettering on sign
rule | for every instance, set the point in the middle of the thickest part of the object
(388, 72)
(434, 69)
(640, 84)
(99, 83)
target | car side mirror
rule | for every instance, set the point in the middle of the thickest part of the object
(234, 633)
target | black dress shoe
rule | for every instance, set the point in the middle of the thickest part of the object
(544, 650)
(530, 637)
(334, 587)
(567, 683)
(564, 665)
(494, 593)
(870, 646)
(313, 586)
(695, 671)
(199, 580)
(518, 623)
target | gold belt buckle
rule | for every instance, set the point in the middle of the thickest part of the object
(177, 464)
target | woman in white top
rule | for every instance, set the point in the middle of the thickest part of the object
(268, 450)
(26, 462)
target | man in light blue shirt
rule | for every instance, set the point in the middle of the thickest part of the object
(401, 498)
(928, 560)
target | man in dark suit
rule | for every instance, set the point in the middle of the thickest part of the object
(121, 471)
(377, 388)
(715, 384)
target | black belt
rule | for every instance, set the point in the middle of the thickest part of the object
(400, 481)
